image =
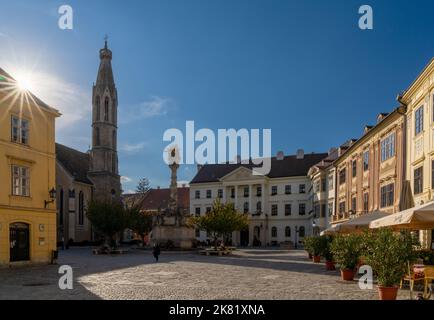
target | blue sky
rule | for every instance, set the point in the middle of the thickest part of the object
(302, 68)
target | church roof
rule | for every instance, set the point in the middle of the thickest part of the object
(158, 199)
(75, 162)
(105, 72)
(289, 166)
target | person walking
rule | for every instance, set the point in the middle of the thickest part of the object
(156, 252)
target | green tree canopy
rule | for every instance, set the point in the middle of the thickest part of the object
(138, 221)
(143, 186)
(221, 221)
(108, 218)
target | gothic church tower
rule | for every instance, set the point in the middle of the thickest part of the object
(103, 169)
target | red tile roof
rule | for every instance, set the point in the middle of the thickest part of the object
(158, 199)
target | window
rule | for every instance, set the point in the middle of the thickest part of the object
(388, 147)
(208, 194)
(418, 121)
(323, 210)
(106, 109)
(331, 182)
(19, 130)
(302, 188)
(274, 209)
(301, 209)
(418, 180)
(61, 201)
(233, 193)
(387, 195)
(259, 191)
(81, 208)
(208, 209)
(114, 111)
(20, 181)
(246, 192)
(220, 193)
(365, 160)
(273, 190)
(432, 175)
(197, 194)
(274, 232)
(342, 176)
(246, 207)
(258, 206)
(97, 137)
(323, 185)
(98, 108)
(365, 202)
(288, 189)
(197, 211)
(330, 207)
(316, 209)
(342, 207)
(354, 204)
(288, 232)
(301, 232)
(354, 167)
(287, 209)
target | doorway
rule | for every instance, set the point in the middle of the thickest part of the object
(244, 238)
(19, 242)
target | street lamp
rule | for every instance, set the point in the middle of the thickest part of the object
(52, 195)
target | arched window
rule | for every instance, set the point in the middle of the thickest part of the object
(61, 205)
(288, 232)
(301, 232)
(98, 107)
(274, 232)
(114, 139)
(258, 206)
(97, 137)
(246, 207)
(81, 208)
(106, 109)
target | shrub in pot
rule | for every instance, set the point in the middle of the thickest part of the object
(317, 245)
(327, 253)
(389, 255)
(307, 243)
(346, 253)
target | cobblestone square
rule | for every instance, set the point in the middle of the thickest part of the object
(248, 274)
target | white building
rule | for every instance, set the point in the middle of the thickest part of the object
(278, 204)
(323, 179)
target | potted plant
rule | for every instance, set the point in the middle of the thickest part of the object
(389, 254)
(346, 252)
(327, 252)
(307, 243)
(317, 247)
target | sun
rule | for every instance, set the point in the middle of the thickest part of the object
(25, 81)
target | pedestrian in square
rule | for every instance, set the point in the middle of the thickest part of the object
(156, 252)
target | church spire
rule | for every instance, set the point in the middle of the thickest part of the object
(105, 72)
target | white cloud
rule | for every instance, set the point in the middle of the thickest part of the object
(3, 35)
(156, 106)
(132, 147)
(125, 179)
(183, 182)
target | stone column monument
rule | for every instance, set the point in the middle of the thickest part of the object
(171, 224)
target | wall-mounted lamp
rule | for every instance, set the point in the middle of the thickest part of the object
(52, 194)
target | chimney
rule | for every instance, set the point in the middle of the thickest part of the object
(300, 154)
(183, 185)
(280, 155)
(332, 150)
(158, 187)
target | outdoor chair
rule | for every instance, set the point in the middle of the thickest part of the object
(413, 276)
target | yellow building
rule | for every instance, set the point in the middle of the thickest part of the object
(27, 174)
(419, 99)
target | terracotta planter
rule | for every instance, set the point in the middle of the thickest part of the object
(347, 274)
(317, 259)
(330, 265)
(387, 293)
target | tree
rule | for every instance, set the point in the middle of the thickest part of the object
(138, 221)
(108, 218)
(221, 221)
(143, 186)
